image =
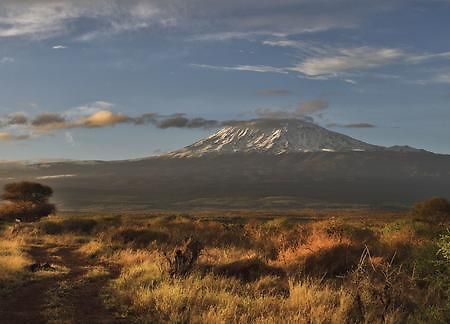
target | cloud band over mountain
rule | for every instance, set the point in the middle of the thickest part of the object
(100, 114)
(20, 126)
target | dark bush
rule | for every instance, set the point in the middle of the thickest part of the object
(80, 226)
(75, 226)
(26, 201)
(27, 191)
(432, 210)
(51, 228)
(248, 270)
(184, 258)
(25, 211)
(336, 261)
(139, 238)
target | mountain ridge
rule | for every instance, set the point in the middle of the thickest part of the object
(277, 136)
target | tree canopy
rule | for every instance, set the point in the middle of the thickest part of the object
(27, 192)
(27, 201)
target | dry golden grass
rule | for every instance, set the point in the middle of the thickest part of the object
(218, 299)
(12, 258)
(259, 271)
(266, 269)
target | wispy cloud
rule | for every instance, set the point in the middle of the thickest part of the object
(285, 43)
(225, 19)
(325, 62)
(249, 68)
(347, 60)
(59, 47)
(232, 35)
(432, 77)
(36, 19)
(45, 18)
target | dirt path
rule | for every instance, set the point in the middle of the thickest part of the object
(72, 294)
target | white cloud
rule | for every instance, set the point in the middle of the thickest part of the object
(88, 109)
(284, 43)
(350, 81)
(428, 57)
(316, 64)
(322, 62)
(225, 36)
(48, 18)
(249, 68)
(103, 118)
(347, 60)
(57, 47)
(35, 19)
(319, 60)
(221, 19)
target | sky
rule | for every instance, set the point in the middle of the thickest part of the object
(116, 79)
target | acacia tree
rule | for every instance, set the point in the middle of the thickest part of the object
(26, 201)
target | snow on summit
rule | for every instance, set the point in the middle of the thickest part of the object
(274, 136)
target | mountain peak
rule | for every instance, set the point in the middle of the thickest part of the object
(273, 136)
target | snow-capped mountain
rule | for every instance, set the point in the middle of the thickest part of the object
(274, 136)
(282, 175)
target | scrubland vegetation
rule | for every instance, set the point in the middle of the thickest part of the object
(303, 267)
(26, 201)
(13, 260)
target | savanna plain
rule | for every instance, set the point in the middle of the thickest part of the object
(288, 266)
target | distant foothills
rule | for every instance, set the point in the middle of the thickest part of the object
(261, 163)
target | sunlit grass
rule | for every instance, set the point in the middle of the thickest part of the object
(255, 270)
(13, 260)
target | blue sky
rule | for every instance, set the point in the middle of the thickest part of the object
(113, 79)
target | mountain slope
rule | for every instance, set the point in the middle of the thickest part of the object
(274, 136)
(248, 179)
(259, 163)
